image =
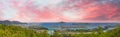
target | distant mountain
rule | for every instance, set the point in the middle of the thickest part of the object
(11, 22)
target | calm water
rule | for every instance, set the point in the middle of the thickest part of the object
(88, 25)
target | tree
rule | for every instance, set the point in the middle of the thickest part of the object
(100, 30)
(57, 34)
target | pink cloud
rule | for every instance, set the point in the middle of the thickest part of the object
(69, 10)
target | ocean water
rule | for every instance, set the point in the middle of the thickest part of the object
(55, 26)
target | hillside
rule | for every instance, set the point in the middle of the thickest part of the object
(17, 31)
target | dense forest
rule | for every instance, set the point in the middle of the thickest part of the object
(17, 31)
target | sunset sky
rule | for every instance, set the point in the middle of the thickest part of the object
(60, 10)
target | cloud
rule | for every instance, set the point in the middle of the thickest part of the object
(60, 10)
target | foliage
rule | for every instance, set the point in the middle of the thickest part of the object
(17, 31)
(57, 34)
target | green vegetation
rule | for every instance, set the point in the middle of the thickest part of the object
(17, 31)
(57, 34)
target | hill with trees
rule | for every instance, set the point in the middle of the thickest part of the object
(17, 31)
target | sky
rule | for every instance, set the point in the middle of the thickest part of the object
(60, 10)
